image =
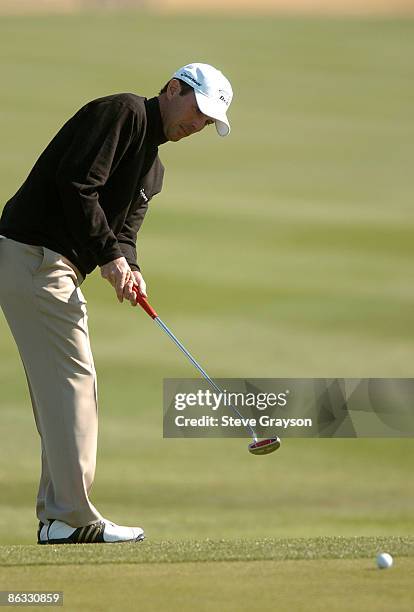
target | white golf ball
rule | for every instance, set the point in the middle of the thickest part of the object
(384, 560)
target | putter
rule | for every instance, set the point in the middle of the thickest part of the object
(257, 447)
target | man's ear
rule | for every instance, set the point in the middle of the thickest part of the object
(173, 88)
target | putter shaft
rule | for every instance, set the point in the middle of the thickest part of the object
(182, 348)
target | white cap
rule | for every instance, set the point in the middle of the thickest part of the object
(212, 90)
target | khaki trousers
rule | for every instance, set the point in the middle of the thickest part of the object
(46, 312)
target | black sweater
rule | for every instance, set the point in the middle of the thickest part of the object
(87, 195)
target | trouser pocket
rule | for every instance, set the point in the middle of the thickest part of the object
(57, 279)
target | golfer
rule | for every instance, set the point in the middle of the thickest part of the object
(81, 207)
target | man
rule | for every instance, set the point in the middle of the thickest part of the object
(81, 207)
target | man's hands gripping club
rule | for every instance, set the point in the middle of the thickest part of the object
(122, 278)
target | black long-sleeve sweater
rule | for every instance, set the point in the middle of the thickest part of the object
(87, 195)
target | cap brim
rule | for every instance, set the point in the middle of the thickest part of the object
(209, 108)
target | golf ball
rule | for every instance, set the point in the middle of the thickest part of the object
(384, 560)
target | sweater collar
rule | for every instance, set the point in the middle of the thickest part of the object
(154, 122)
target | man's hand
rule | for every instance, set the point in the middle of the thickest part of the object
(118, 273)
(137, 280)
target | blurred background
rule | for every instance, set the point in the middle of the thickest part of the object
(285, 250)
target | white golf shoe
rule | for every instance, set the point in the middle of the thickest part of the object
(103, 531)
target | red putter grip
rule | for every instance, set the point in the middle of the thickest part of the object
(143, 302)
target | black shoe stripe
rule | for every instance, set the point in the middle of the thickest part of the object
(89, 533)
(81, 534)
(95, 534)
(97, 537)
(75, 535)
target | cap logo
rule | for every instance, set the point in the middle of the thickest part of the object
(188, 76)
(224, 97)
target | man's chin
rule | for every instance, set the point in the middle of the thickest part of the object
(177, 133)
(176, 137)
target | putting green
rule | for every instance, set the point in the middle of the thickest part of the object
(105, 577)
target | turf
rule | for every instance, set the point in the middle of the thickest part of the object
(285, 250)
(311, 574)
(208, 550)
(299, 586)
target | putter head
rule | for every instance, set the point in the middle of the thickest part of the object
(264, 447)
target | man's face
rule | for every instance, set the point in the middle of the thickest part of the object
(181, 116)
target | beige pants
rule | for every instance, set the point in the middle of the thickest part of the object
(46, 312)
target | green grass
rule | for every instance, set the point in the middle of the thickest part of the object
(283, 251)
(299, 586)
(202, 550)
(308, 574)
